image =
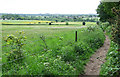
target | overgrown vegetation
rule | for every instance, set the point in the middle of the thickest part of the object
(58, 54)
(112, 65)
(16, 44)
(110, 11)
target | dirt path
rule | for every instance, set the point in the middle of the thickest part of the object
(93, 66)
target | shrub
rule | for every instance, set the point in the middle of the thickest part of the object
(111, 67)
(68, 53)
(15, 57)
(67, 23)
(103, 26)
(83, 23)
(80, 48)
(91, 29)
(97, 22)
(16, 43)
(50, 24)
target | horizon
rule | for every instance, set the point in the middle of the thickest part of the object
(51, 7)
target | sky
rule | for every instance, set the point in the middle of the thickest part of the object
(49, 6)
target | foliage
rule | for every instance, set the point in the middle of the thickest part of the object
(104, 25)
(105, 11)
(91, 28)
(83, 23)
(16, 44)
(50, 24)
(12, 17)
(16, 55)
(67, 23)
(97, 22)
(57, 54)
(111, 67)
(116, 27)
(110, 11)
(52, 17)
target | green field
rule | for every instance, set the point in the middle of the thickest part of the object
(0, 40)
(57, 54)
(42, 23)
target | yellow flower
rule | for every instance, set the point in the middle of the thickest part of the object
(23, 32)
(7, 54)
(8, 43)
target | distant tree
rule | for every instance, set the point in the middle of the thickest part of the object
(56, 20)
(62, 20)
(3, 17)
(13, 18)
(22, 18)
(67, 23)
(97, 22)
(83, 23)
(50, 23)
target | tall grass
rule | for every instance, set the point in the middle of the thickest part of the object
(54, 51)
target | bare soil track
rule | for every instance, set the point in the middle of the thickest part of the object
(97, 59)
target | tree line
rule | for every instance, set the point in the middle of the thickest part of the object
(51, 17)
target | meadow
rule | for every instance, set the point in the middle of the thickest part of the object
(50, 49)
(42, 23)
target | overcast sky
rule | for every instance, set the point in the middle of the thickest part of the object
(49, 6)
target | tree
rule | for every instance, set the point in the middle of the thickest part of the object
(83, 23)
(3, 17)
(105, 11)
(110, 11)
(13, 18)
(116, 27)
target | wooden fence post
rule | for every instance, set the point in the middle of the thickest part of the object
(75, 36)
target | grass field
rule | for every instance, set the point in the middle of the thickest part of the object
(0, 48)
(36, 23)
(57, 54)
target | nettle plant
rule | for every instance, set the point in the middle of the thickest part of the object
(16, 44)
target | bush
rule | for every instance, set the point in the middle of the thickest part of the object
(16, 43)
(50, 24)
(68, 53)
(111, 67)
(15, 57)
(91, 28)
(83, 23)
(103, 26)
(67, 23)
(97, 22)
